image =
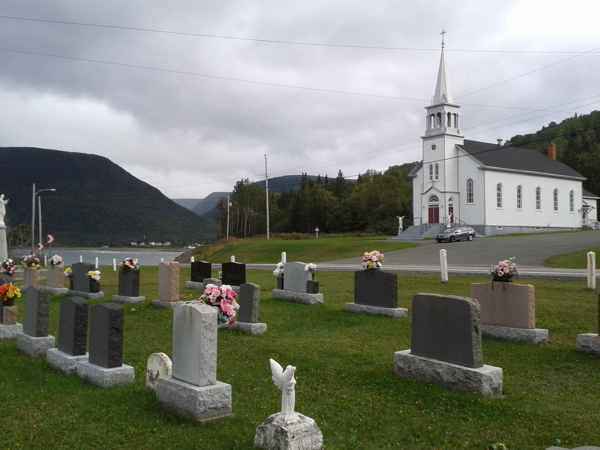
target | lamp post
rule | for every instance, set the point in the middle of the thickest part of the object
(34, 193)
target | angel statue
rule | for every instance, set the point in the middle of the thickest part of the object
(285, 382)
(2, 208)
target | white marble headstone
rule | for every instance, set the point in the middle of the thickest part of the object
(159, 365)
(296, 277)
(195, 344)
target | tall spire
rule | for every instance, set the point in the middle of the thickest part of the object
(443, 93)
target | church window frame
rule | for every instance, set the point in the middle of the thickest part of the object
(571, 201)
(555, 199)
(455, 121)
(519, 197)
(470, 198)
(434, 199)
(430, 172)
(499, 195)
(432, 121)
(538, 198)
(449, 120)
(439, 120)
(436, 171)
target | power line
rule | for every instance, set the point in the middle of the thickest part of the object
(276, 41)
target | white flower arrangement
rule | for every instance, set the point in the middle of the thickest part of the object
(57, 261)
(312, 268)
(278, 272)
(372, 260)
(94, 275)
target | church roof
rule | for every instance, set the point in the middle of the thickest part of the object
(517, 159)
(443, 93)
(588, 194)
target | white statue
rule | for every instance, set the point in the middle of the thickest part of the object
(285, 382)
(2, 208)
(449, 220)
(400, 218)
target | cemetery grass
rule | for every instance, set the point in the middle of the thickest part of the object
(575, 260)
(345, 379)
(307, 250)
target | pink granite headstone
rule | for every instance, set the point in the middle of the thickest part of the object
(506, 304)
(56, 276)
(29, 277)
(168, 273)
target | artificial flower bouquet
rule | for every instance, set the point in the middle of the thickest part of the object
(69, 272)
(9, 291)
(31, 262)
(222, 298)
(505, 270)
(312, 268)
(8, 266)
(57, 261)
(94, 275)
(130, 263)
(372, 260)
(278, 272)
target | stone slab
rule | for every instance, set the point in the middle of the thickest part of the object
(588, 343)
(166, 305)
(249, 301)
(34, 346)
(129, 282)
(199, 403)
(295, 276)
(447, 328)
(249, 328)
(37, 312)
(126, 299)
(159, 365)
(90, 295)
(233, 273)
(103, 377)
(81, 282)
(214, 281)
(10, 331)
(73, 326)
(485, 380)
(396, 313)
(376, 287)
(524, 335)
(297, 433)
(200, 270)
(505, 304)
(298, 297)
(168, 273)
(195, 285)
(54, 291)
(9, 315)
(67, 364)
(55, 276)
(107, 323)
(29, 277)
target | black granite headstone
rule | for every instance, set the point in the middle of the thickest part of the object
(72, 329)
(446, 328)
(233, 273)
(106, 335)
(5, 277)
(81, 282)
(313, 286)
(201, 270)
(37, 312)
(129, 282)
(279, 282)
(249, 300)
(375, 287)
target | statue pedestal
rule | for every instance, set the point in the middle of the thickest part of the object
(297, 433)
(3, 243)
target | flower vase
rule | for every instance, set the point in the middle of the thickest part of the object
(502, 279)
(9, 302)
(279, 282)
(70, 283)
(94, 286)
(312, 287)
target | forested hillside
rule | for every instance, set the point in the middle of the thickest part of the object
(96, 202)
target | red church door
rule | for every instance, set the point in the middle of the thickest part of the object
(451, 213)
(434, 214)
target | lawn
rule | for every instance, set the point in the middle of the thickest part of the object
(345, 379)
(575, 260)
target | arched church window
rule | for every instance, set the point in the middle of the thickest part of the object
(437, 171)
(439, 119)
(449, 125)
(431, 122)
(455, 121)
(555, 199)
(430, 172)
(469, 190)
(519, 197)
(434, 199)
(499, 195)
(571, 201)
(538, 198)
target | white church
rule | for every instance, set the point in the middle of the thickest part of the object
(493, 188)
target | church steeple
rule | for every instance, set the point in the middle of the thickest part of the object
(443, 93)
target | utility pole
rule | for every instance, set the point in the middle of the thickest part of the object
(228, 217)
(40, 217)
(267, 195)
(33, 220)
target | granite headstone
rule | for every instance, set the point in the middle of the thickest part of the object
(169, 281)
(106, 335)
(375, 287)
(296, 277)
(129, 282)
(81, 282)
(447, 328)
(233, 273)
(73, 326)
(249, 301)
(37, 312)
(201, 270)
(55, 276)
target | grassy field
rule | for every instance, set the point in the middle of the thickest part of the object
(345, 379)
(575, 260)
(309, 250)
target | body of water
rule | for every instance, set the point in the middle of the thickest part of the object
(105, 256)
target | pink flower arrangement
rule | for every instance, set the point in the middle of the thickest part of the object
(505, 270)
(372, 260)
(222, 298)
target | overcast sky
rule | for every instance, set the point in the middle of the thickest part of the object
(190, 95)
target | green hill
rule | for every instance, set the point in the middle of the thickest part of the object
(96, 202)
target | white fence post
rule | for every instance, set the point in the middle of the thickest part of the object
(444, 266)
(591, 267)
(283, 257)
(96, 263)
(232, 258)
(114, 264)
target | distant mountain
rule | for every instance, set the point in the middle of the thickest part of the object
(209, 202)
(96, 202)
(188, 203)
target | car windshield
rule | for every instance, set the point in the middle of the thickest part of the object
(449, 230)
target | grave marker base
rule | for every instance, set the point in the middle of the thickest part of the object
(396, 313)
(167, 305)
(486, 380)
(64, 362)
(91, 295)
(34, 346)
(195, 285)
(297, 433)
(102, 377)
(588, 343)
(10, 331)
(525, 335)
(199, 403)
(127, 299)
(53, 290)
(298, 297)
(249, 328)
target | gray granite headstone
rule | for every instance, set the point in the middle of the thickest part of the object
(129, 282)
(72, 329)
(446, 328)
(375, 287)
(249, 301)
(37, 312)
(106, 335)
(195, 344)
(233, 273)
(81, 282)
(296, 277)
(201, 270)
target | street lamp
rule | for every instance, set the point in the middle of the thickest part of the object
(33, 215)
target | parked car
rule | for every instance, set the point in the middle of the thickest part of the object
(456, 234)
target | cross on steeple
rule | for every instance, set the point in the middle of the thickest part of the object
(443, 33)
